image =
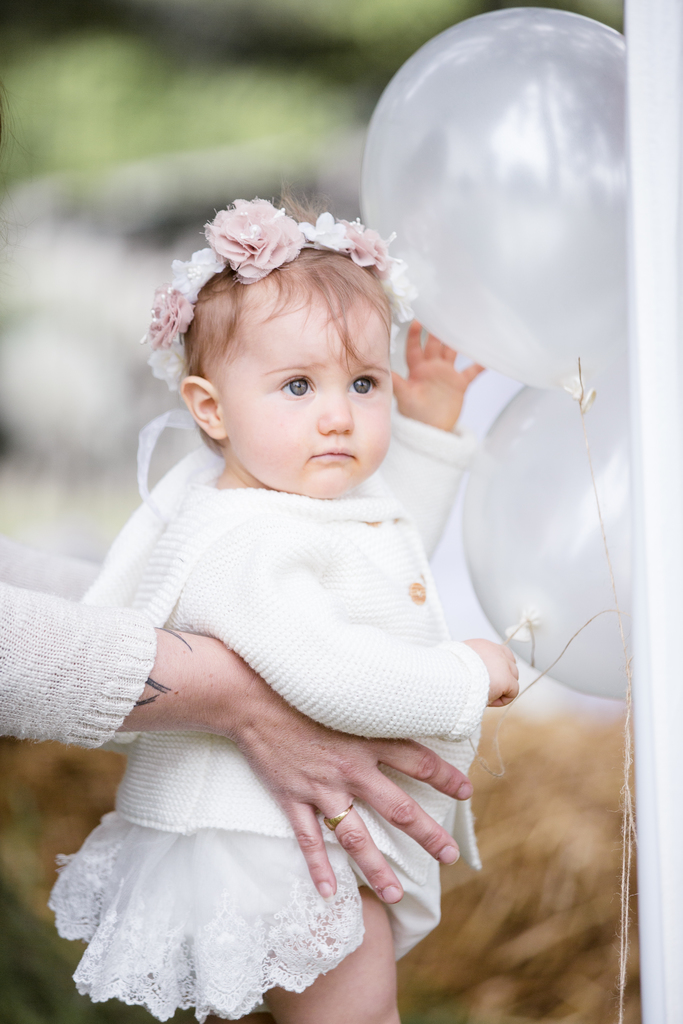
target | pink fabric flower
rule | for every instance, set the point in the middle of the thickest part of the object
(367, 248)
(254, 238)
(172, 314)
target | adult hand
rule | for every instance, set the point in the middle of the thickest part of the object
(198, 684)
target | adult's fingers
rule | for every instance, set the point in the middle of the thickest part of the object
(425, 765)
(354, 837)
(306, 827)
(404, 813)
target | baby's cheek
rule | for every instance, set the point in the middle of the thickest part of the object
(280, 451)
(379, 436)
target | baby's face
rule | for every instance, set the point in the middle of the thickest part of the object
(299, 414)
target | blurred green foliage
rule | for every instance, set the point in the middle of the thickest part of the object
(87, 101)
(91, 85)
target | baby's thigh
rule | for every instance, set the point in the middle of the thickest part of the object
(361, 989)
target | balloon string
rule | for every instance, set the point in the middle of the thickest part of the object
(496, 743)
(628, 821)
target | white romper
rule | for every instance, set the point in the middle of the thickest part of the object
(194, 891)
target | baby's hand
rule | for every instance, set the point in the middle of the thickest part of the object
(502, 669)
(434, 390)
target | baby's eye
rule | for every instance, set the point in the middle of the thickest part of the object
(362, 385)
(297, 387)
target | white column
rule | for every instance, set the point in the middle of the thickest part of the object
(654, 37)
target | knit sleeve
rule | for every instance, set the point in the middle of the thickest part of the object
(262, 592)
(30, 569)
(69, 672)
(423, 468)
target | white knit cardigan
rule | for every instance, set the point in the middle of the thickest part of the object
(333, 603)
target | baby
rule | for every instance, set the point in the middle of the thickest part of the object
(289, 546)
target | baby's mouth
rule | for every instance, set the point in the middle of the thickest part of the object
(334, 456)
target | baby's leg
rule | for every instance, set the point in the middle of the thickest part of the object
(361, 990)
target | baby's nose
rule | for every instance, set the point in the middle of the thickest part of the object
(336, 417)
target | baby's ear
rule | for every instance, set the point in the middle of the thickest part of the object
(201, 398)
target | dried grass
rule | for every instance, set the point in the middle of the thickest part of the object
(533, 936)
(530, 938)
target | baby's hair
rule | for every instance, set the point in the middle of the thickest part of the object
(334, 278)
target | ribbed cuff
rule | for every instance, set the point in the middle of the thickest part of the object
(127, 645)
(69, 672)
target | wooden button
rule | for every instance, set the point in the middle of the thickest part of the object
(418, 593)
(374, 524)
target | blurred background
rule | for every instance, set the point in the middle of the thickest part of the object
(126, 124)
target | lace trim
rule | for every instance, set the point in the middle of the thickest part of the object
(224, 967)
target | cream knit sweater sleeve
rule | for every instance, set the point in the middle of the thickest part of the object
(423, 468)
(67, 672)
(30, 569)
(261, 590)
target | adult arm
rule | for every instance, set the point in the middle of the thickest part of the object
(30, 569)
(198, 684)
(76, 674)
(69, 672)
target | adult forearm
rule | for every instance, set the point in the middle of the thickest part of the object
(195, 684)
(68, 672)
(30, 569)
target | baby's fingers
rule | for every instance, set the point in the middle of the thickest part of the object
(472, 371)
(414, 353)
(437, 349)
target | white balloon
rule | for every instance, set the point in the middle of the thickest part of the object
(532, 532)
(496, 154)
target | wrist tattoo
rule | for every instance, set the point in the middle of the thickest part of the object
(159, 687)
(177, 635)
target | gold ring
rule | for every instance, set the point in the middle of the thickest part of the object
(333, 822)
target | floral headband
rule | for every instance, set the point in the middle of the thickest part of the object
(254, 238)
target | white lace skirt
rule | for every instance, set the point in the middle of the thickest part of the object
(210, 920)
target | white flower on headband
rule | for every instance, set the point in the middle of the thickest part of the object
(399, 290)
(326, 233)
(189, 278)
(169, 364)
(254, 238)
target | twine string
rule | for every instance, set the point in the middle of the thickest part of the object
(628, 823)
(495, 741)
